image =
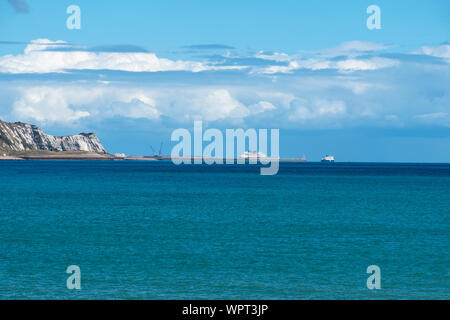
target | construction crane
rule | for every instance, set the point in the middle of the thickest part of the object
(155, 155)
(160, 149)
(154, 152)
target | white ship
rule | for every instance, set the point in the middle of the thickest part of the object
(328, 158)
(252, 155)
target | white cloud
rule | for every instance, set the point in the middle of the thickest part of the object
(46, 44)
(37, 59)
(42, 56)
(325, 102)
(45, 104)
(442, 51)
(307, 99)
(347, 65)
(317, 109)
(365, 64)
(217, 105)
(260, 107)
(275, 56)
(135, 109)
(321, 60)
(293, 65)
(71, 103)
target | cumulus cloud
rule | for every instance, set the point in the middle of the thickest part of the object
(38, 59)
(45, 104)
(134, 109)
(291, 102)
(63, 103)
(217, 105)
(47, 56)
(71, 103)
(290, 90)
(261, 107)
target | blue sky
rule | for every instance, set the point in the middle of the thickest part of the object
(139, 69)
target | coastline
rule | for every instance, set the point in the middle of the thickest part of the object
(75, 155)
(63, 155)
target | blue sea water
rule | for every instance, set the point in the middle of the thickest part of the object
(153, 230)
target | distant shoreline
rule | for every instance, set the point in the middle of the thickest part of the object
(77, 155)
(51, 155)
(74, 155)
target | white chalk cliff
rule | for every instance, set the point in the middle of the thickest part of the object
(20, 136)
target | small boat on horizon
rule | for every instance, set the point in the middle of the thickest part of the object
(328, 158)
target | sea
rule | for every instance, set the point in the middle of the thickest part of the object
(154, 230)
